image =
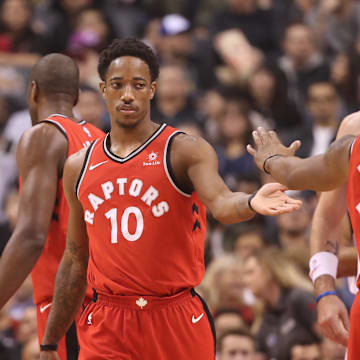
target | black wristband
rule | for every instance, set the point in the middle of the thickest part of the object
(48, 347)
(249, 201)
(268, 158)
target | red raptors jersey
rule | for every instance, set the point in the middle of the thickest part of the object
(353, 192)
(146, 236)
(78, 135)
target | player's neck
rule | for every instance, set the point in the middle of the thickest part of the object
(61, 108)
(125, 139)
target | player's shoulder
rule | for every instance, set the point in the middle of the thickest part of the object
(41, 141)
(350, 125)
(190, 144)
(76, 160)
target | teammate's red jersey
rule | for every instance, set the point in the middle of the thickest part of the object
(146, 236)
(353, 192)
(78, 135)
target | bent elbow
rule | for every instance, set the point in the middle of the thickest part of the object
(33, 240)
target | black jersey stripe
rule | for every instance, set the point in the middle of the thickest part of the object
(121, 160)
(167, 165)
(84, 166)
(59, 126)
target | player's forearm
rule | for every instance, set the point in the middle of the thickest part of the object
(232, 208)
(17, 261)
(70, 289)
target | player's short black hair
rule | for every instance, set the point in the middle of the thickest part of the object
(128, 47)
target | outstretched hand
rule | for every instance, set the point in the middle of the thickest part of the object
(271, 200)
(268, 144)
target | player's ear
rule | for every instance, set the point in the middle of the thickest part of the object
(152, 89)
(102, 88)
(34, 91)
(77, 97)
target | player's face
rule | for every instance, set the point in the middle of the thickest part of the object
(128, 90)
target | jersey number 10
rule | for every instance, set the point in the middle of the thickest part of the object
(112, 215)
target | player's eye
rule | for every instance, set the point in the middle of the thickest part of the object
(139, 85)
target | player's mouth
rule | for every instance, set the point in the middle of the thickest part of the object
(126, 109)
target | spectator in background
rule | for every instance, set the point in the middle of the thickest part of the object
(306, 349)
(91, 107)
(302, 62)
(64, 14)
(212, 107)
(173, 104)
(236, 129)
(223, 286)
(226, 319)
(256, 24)
(127, 16)
(247, 240)
(19, 44)
(336, 24)
(236, 345)
(268, 90)
(240, 58)
(345, 75)
(323, 106)
(178, 45)
(31, 350)
(293, 231)
(289, 304)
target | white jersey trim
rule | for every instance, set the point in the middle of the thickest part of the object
(166, 165)
(84, 167)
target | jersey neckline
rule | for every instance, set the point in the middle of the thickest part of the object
(120, 159)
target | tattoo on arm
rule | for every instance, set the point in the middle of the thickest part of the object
(332, 247)
(69, 293)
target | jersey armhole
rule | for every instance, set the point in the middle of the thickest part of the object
(84, 167)
(168, 167)
(61, 128)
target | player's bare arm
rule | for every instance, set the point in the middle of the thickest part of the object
(70, 285)
(320, 173)
(40, 156)
(195, 166)
(326, 233)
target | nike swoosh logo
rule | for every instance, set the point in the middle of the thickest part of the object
(43, 308)
(195, 320)
(92, 167)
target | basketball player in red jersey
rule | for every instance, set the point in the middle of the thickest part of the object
(137, 225)
(338, 166)
(40, 232)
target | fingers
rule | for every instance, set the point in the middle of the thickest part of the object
(250, 150)
(295, 146)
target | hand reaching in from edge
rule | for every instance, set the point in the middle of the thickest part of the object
(333, 319)
(271, 200)
(268, 144)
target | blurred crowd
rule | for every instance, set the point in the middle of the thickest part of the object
(226, 67)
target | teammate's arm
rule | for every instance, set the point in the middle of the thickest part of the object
(326, 231)
(320, 173)
(70, 285)
(40, 156)
(195, 163)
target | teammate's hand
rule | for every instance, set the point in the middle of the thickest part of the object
(271, 200)
(333, 319)
(49, 355)
(267, 144)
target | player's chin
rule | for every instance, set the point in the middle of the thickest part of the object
(128, 122)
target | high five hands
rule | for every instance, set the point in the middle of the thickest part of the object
(267, 145)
